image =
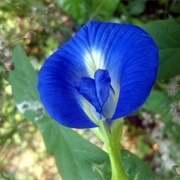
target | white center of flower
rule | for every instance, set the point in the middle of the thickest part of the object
(94, 60)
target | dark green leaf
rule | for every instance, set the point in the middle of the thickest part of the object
(76, 158)
(166, 34)
(83, 11)
(175, 6)
(157, 102)
(23, 81)
(77, 9)
(135, 167)
(136, 7)
(103, 9)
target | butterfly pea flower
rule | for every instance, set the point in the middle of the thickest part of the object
(105, 72)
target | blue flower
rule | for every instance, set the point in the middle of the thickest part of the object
(106, 71)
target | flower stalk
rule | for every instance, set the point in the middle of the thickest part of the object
(112, 135)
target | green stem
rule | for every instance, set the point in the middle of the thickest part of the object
(112, 143)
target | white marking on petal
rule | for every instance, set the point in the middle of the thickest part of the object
(116, 88)
(110, 105)
(94, 60)
(90, 111)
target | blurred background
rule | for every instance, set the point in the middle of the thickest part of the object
(152, 133)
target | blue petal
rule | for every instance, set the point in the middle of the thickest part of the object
(103, 85)
(131, 57)
(87, 88)
(127, 52)
(56, 85)
(96, 90)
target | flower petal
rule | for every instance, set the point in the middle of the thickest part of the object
(103, 84)
(87, 88)
(127, 52)
(131, 57)
(56, 84)
(96, 90)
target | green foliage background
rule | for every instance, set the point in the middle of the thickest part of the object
(153, 130)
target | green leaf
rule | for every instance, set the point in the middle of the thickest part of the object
(83, 11)
(175, 6)
(76, 158)
(157, 102)
(23, 81)
(166, 34)
(136, 7)
(77, 9)
(102, 10)
(136, 169)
